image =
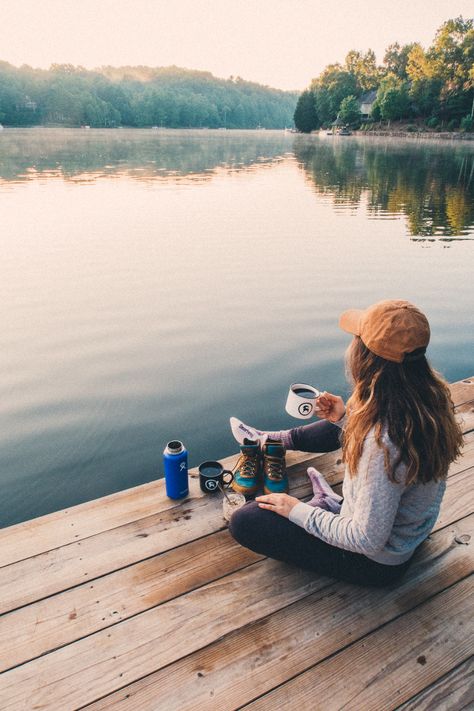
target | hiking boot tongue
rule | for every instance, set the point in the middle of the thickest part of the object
(249, 446)
(274, 450)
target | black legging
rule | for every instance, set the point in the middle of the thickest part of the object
(270, 534)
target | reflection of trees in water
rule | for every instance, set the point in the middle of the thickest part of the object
(140, 154)
(432, 185)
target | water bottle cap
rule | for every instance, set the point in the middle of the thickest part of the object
(175, 446)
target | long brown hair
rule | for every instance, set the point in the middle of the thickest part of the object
(412, 402)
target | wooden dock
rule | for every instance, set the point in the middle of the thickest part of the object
(136, 602)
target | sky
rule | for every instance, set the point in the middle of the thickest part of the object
(281, 43)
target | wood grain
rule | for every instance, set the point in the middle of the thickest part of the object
(455, 690)
(251, 661)
(391, 664)
(44, 625)
(98, 664)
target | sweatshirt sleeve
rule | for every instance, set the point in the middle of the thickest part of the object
(377, 499)
(342, 422)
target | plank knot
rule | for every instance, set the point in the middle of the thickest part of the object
(463, 540)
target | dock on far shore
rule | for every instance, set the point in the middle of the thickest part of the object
(140, 603)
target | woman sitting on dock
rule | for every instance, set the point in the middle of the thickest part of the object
(399, 436)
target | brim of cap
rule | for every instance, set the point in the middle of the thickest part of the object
(350, 321)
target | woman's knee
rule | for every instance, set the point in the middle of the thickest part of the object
(245, 524)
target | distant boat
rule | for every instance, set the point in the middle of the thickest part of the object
(329, 132)
(1, 127)
(86, 126)
(344, 132)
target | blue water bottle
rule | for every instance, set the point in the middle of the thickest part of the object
(175, 461)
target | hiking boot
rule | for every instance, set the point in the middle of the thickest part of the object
(247, 470)
(275, 479)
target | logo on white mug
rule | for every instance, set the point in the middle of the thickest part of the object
(305, 408)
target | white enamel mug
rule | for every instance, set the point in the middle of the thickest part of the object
(301, 400)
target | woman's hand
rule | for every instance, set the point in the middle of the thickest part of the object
(329, 407)
(279, 503)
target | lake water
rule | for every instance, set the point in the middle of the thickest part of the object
(156, 282)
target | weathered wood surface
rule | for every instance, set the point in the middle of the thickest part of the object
(262, 655)
(455, 690)
(392, 664)
(136, 602)
(33, 629)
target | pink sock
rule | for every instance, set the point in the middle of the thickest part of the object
(324, 497)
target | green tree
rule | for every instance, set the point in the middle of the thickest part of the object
(425, 86)
(394, 103)
(349, 111)
(452, 59)
(138, 96)
(364, 68)
(396, 59)
(330, 88)
(305, 116)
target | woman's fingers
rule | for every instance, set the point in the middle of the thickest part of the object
(268, 501)
(270, 507)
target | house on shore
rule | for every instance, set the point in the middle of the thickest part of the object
(366, 102)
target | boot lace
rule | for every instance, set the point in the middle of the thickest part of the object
(247, 465)
(274, 467)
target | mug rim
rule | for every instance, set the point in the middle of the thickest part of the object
(307, 386)
(210, 462)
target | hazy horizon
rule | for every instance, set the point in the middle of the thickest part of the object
(278, 43)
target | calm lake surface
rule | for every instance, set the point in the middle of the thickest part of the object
(156, 282)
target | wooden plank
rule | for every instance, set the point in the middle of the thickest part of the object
(68, 565)
(252, 660)
(459, 501)
(48, 532)
(389, 665)
(465, 416)
(65, 617)
(90, 518)
(462, 391)
(454, 690)
(48, 573)
(59, 569)
(85, 560)
(61, 619)
(96, 665)
(78, 522)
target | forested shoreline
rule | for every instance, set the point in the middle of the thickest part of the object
(171, 97)
(432, 88)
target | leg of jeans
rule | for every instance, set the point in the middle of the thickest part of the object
(320, 436)
(269, 534)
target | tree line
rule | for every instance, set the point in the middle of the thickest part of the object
(171, 97)
(435, 86)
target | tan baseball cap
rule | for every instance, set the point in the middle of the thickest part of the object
(390, 328)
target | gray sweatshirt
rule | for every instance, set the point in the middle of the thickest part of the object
(382, 520)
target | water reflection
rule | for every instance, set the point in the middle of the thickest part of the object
(84, 156)
(431, 184)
